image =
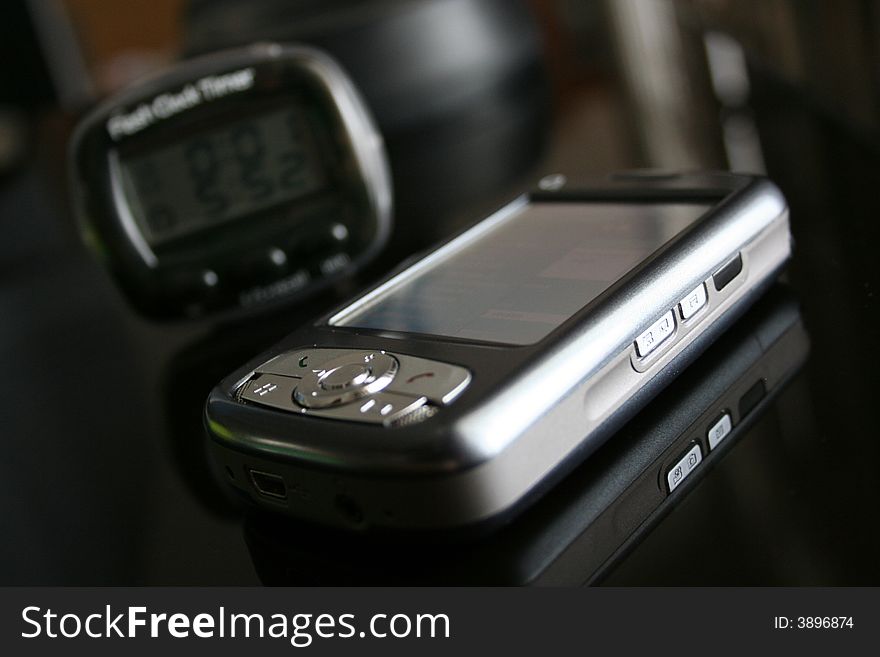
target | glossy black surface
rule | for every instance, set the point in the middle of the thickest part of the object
(103, 478)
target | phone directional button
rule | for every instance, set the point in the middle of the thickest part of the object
(346, 379)
(344, 376)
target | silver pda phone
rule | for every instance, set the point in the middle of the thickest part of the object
(457, 390)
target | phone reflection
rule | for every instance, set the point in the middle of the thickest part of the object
(581, 530)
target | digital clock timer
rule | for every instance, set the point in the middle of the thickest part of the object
(235, 180)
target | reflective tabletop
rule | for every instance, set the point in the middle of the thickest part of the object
(105, 480)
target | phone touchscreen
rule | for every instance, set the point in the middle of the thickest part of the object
(526, 275)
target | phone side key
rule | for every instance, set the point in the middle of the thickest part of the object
(728, 272)
(693, 303)
(719, 430)
(655, 335)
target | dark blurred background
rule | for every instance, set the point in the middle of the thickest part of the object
(104, 480)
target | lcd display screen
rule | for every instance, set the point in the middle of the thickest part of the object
(526, 275)
(212, 177)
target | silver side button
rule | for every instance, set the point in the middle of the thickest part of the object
(271, 390)
(691, 304)
(659, 331)
(718, 431)
(680, 471)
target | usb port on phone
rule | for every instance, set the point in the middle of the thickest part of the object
(268, 484)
